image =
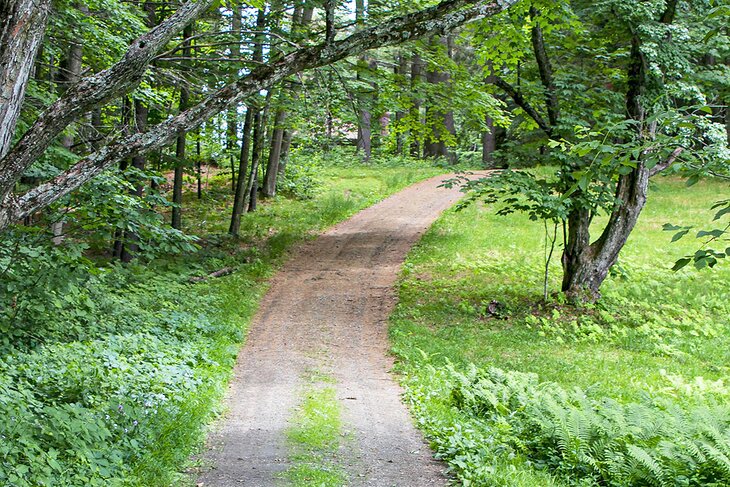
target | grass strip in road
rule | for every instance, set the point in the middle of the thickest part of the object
(314, 437)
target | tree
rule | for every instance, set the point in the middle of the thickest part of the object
(615, 126)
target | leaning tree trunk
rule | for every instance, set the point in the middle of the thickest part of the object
(21, 34)
(93, 90)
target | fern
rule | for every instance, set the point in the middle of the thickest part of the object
(642, 457)
(588, 441)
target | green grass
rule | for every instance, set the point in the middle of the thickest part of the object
(655, 333)
(314, 438)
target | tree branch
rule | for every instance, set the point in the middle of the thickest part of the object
(545, 69)
(524, 104)
(93, 91)
(667, 162)
(443, 17)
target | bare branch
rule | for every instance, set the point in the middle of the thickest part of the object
(666, 163)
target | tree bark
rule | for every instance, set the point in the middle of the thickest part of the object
(21, 35)
(401, 72)
(83, 96)
(232, 114)
(586, 265)
(239, 198)
(546, 70)
(181, 140)
(443, 17)
(272, 167)
(416, 79)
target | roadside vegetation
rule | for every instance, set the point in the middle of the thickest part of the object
(514, 390)
(109, 372)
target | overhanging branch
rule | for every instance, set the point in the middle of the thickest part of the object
(443, 17)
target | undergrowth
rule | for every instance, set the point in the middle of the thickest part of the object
(109, 373)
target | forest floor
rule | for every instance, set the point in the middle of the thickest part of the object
(318, 348)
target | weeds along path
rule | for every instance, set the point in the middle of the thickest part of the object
(325, 315)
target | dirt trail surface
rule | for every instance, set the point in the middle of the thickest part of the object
(326, 312)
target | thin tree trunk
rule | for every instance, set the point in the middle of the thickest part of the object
(401, 71)
(259, 139)
(285, 147)
(489, 142)
(272, 168)
(546, 71)
(416, 78)
(232, 115)
(181, 139)
(240, 199)
(441, 121)
(199, 165)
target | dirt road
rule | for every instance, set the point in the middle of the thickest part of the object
(327, 311)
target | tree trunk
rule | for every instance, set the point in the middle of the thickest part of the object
(177, 184)
(259, 138)
(545, 69)
(586, 265)
(232, 115)
(489, 143)
(21, 35)
(272, 168)
(441, 122)
(416, 79)
(240, 197)
(401, 71)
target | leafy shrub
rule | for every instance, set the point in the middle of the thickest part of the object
(301, 178)
(511, 416)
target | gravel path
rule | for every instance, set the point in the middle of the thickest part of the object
(327, 311)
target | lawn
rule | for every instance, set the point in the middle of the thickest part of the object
(657, 341)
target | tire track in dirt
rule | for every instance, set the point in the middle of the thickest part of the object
(327, 310)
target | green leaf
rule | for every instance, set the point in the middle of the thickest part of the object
(680, 234)
(693, 179)
(722, 213)
(681, 263)
(712, 233)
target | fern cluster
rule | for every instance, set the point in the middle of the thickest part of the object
(582, 440)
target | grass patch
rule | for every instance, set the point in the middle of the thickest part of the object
(314, 438)
(471, 292)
